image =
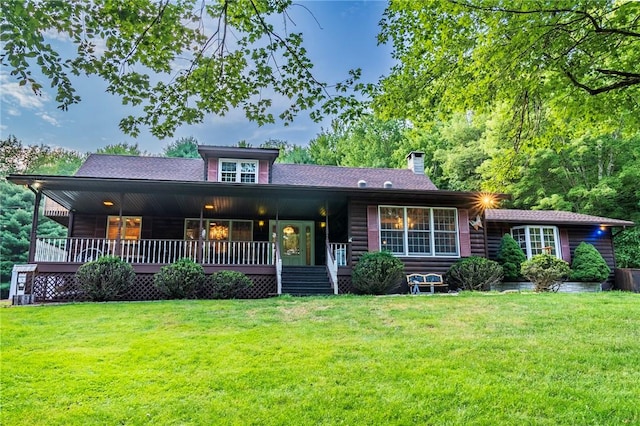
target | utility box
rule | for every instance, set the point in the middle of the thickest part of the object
(20, 292)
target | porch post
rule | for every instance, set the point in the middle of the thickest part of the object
(326, 221)
(119, 236)
(200, 231)
(34, 224)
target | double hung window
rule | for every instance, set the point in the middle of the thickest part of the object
(419, 231)
(241, 171)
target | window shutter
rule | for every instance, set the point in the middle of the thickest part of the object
(565, 248)
(263, 171)
(463, 230)
(373, 232)
(212, 171)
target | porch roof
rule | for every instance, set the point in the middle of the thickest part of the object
(186, 198)
(550, 217)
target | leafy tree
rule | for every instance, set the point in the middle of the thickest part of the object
(578, 58)
(16, 207)
(627, 248)
(511, 257)
(182, 148)
(122, 148)
(177, 60)
(17, 158)
(324, 148)
(588, 264)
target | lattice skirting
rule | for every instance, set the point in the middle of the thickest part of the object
(344, 285)
(63, 287)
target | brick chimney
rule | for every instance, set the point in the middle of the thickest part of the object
(415, 162)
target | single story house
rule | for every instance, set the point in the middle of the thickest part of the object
(292, 228)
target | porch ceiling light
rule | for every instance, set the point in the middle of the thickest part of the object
(208, 206)
(107, 203)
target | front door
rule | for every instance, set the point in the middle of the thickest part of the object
(296, 241)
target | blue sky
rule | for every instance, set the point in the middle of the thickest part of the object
(341, 37)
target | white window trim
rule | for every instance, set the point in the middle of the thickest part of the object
(527, 237)
(238, 173)
(432, 232)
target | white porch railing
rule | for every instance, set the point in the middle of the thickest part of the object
(332, 268)
(339, 251)
(80, 250)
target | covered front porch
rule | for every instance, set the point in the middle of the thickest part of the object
(256, 229)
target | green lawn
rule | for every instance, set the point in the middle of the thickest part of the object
(474, 359)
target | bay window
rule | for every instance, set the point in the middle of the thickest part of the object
(419, 231)
(537, 239)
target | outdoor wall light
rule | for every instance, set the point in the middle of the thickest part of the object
(261, 223)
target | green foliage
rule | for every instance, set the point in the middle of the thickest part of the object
(474, 273)
(181, 279)
(577, 57)
(588, 264)
(377, 273)
(40, 159)
(229, 284)
(627, 248)
(107, 278)
(175, 61)
(122, 148)
(546, 272)
(16, 218)
(4, 290)
(510, 256)
(182, 148)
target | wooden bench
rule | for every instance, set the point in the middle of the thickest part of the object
(422, 282)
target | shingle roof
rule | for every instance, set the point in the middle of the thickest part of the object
(192, 169)
(133, 167)
(546, 216)
(348, 177)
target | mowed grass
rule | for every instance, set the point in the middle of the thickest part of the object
(474, 359)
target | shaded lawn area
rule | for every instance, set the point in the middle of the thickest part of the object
(474, 359)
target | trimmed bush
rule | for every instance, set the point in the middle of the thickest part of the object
(377, 273)
(545, 271)
(588, 264)
(474, 273)
(510, 256)
(229, 284)
(107, 278)
(180, 280)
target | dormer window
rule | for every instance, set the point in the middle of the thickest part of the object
(240, 171)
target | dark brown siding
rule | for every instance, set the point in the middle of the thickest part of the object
(576, 234)
(360, 245)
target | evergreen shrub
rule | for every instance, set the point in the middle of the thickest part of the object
(180, 280)
(510, 256)
(107, 278)
(588, 264)
(377, 273)
(229, 284)
(546, 272)
(474, 273)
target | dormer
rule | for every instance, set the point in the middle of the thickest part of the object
(237, 165)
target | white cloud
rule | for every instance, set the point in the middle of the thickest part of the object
(23, 96)
(49, 119)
